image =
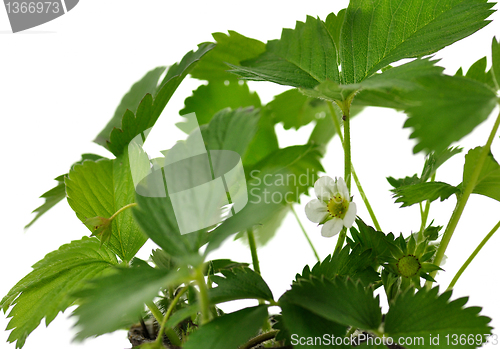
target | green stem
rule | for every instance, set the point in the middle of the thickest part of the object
(169, 333)
(203, 296)
(122, 209)
(305, 233)
(354, 175)
(425, 214)
(253, 250)
(462, 201)
(351, 331)
(473, 255)
(155, 311)
(259, 339)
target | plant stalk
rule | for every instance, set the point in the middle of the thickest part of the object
(425, 214)
(253, 250)
(206, 315)
(305, 233)
(259, 339)
(122, 209)
(162, 330)
(354, 175)
(462, 201)
(472, 256)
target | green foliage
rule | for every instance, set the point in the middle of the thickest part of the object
(49, 288)
(303, 57)
(117, 300)
(342, 301)
(488, 182)
(101, 188)
(58, 193)
(437, 119)
(239, 283)
(229, 331)
(268, 178)
(209, 99)
(150, 108)
(426, 314)
(147, 84)
(495, 65)
(413, 194)
(233, 49)
(376, 34)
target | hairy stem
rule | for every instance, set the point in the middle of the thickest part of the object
(165, 318)
(425, 214)
(259, 339)
(462, 201)
(253, 250)
(206, 315)
(354, 175)
(304, 231)
(473, 255)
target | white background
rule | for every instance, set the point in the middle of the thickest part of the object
(60, 83)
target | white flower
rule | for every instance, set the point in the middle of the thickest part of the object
(333, 207)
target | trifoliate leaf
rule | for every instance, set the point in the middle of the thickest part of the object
(342, 301)
(238, 283)
(49, 288)
(150, 108)
(301, 327)
(488, 182)
(376, 34)
(427, 314)
(232, 48)
(272, 183)
(413, 194)
(101, 188)
(58, 193)
(294, 109)
(230, 330)
(445, 109)
(130, 101)
(303, 57)
(117, 300)
(217, 95)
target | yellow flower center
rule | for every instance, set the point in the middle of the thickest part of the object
(408, 266)
(337, 206)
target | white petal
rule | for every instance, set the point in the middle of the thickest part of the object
(342, 188)
(350, 215)
(331, 228)
(316, 211)
(323, 188)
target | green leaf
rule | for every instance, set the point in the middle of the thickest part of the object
(58, 193)
(231, 130)
(435, 160)
(130, 101)
(403, 182)
(217, 265)
(488, 182)
(377, 33)
(117, 300)
(425, 314)
(156, 217)
(49, 288)
(263, 144)
(232, 48)
(275, 181)
(228, 331)
(495, 65)
(478, 72)
(303, 57)
(401, 78)
(217, 95)
(334, 24)
(355, 265)
(413, 194)
(304, 326)
(150, 108)
(294, 109)
(238, 283)
(370, 239)
(101, 188)
(445, 109)
(341, 301)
